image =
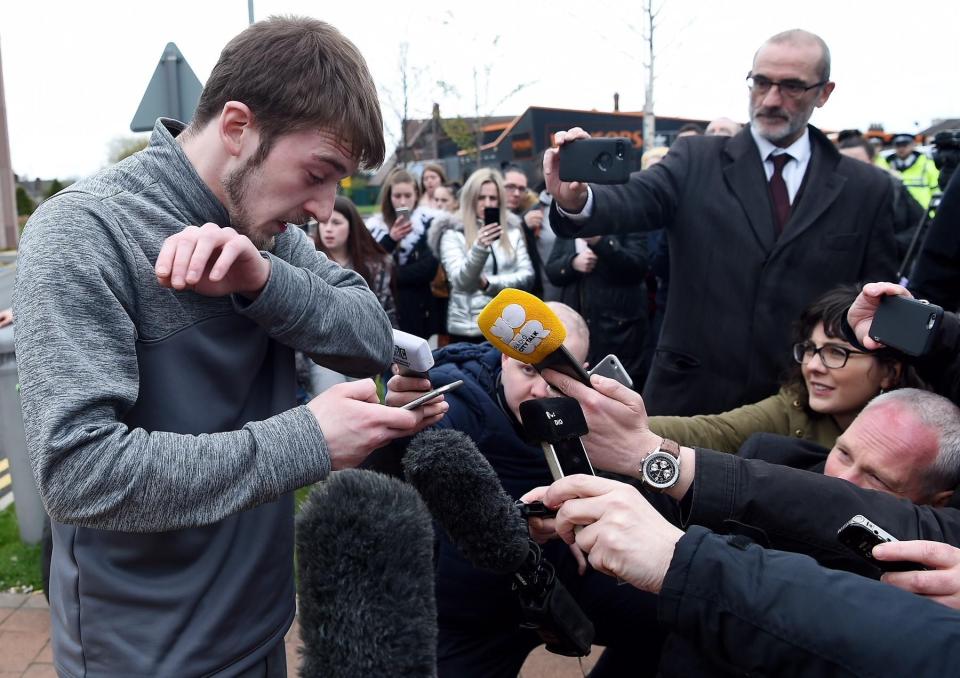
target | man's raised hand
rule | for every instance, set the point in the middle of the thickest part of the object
(212, 261)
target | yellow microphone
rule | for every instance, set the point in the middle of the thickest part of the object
(524, 328)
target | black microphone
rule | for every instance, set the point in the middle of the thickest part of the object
(557, 424)
(466, 497)
(365, 563)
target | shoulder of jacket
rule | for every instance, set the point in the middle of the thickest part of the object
(440, 225)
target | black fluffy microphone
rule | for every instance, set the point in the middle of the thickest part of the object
(467, 499)
(365, 563)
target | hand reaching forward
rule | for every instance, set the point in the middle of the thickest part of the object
(940, 582)
(622, 534)
(864, 308)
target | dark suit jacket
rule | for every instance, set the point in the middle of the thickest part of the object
(735, 289)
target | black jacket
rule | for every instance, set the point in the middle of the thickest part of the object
(735, 288)
(416, 306)
(611, 298)
(936, 274)
(768, 613)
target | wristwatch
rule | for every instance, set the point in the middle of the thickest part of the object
(660, 469)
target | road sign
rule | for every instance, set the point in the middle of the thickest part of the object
(173, 92)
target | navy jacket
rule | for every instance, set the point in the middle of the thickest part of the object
(768, 613)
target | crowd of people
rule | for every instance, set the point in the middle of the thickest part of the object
(167, 307)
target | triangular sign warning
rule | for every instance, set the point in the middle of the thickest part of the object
(173, 92)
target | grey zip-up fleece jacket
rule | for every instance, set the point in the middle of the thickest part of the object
(161, 424)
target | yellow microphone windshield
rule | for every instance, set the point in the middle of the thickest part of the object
(521, 326)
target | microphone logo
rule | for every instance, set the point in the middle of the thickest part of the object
(513, 329)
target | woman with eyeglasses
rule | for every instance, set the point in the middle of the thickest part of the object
(826, 389)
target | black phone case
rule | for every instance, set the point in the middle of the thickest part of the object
(861, 540)
(605, 160)
(908, 325)
(491, 215)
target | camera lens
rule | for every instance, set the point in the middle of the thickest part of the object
(603, 161)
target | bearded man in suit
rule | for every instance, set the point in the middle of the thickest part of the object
(758, 225)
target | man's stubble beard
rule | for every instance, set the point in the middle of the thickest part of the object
(236, 185)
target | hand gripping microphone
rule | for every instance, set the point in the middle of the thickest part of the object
(411, 354)
(465, 496)
(524, 328)
(365, 564)
(557, 424)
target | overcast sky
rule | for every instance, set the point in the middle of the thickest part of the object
(74, 72)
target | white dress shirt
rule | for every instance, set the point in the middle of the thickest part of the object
(793, 171)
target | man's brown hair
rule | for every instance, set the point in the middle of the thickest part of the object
(296, 73)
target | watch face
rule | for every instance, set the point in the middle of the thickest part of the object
(660, 470)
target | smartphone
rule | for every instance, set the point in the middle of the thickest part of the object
(861, 535)
(611, 367)
(908, 325)
(430, 395)
(403, 213)
(604, 160)
(491, 215)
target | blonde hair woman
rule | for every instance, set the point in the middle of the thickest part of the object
(480, 259)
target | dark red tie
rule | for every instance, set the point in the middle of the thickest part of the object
(778, 191)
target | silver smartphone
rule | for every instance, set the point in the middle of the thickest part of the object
(611, 367)
(430, 395)
(861, 534)
(403, 213)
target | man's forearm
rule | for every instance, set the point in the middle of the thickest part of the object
(779, 613)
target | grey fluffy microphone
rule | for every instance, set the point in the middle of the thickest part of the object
(365, 564)
(465, 496)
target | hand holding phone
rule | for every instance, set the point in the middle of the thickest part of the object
(611, 367)
(861, 535)
(431, 395)
(908, 325)
(604, 160)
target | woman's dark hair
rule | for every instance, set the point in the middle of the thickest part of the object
(366, 254)
(830, 309)
(397, 176)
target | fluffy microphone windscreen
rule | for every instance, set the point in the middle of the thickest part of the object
(365, 563)
(465, 496)
(521, 326)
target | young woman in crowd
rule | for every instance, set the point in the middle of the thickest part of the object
(829, 385)
(480, 259)
(431, 177)
(400, 229)
(345, 239)
(445, 199)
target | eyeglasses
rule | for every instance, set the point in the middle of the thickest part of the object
(793, 89)
(832, 356)
(514, 188)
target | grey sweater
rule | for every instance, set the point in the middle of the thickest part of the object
(149, 410)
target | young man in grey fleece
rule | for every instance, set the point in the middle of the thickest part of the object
(159, 304)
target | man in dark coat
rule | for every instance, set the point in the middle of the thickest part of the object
(604, 279)
(758, 225)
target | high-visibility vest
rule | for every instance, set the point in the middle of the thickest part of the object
(921, 179)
